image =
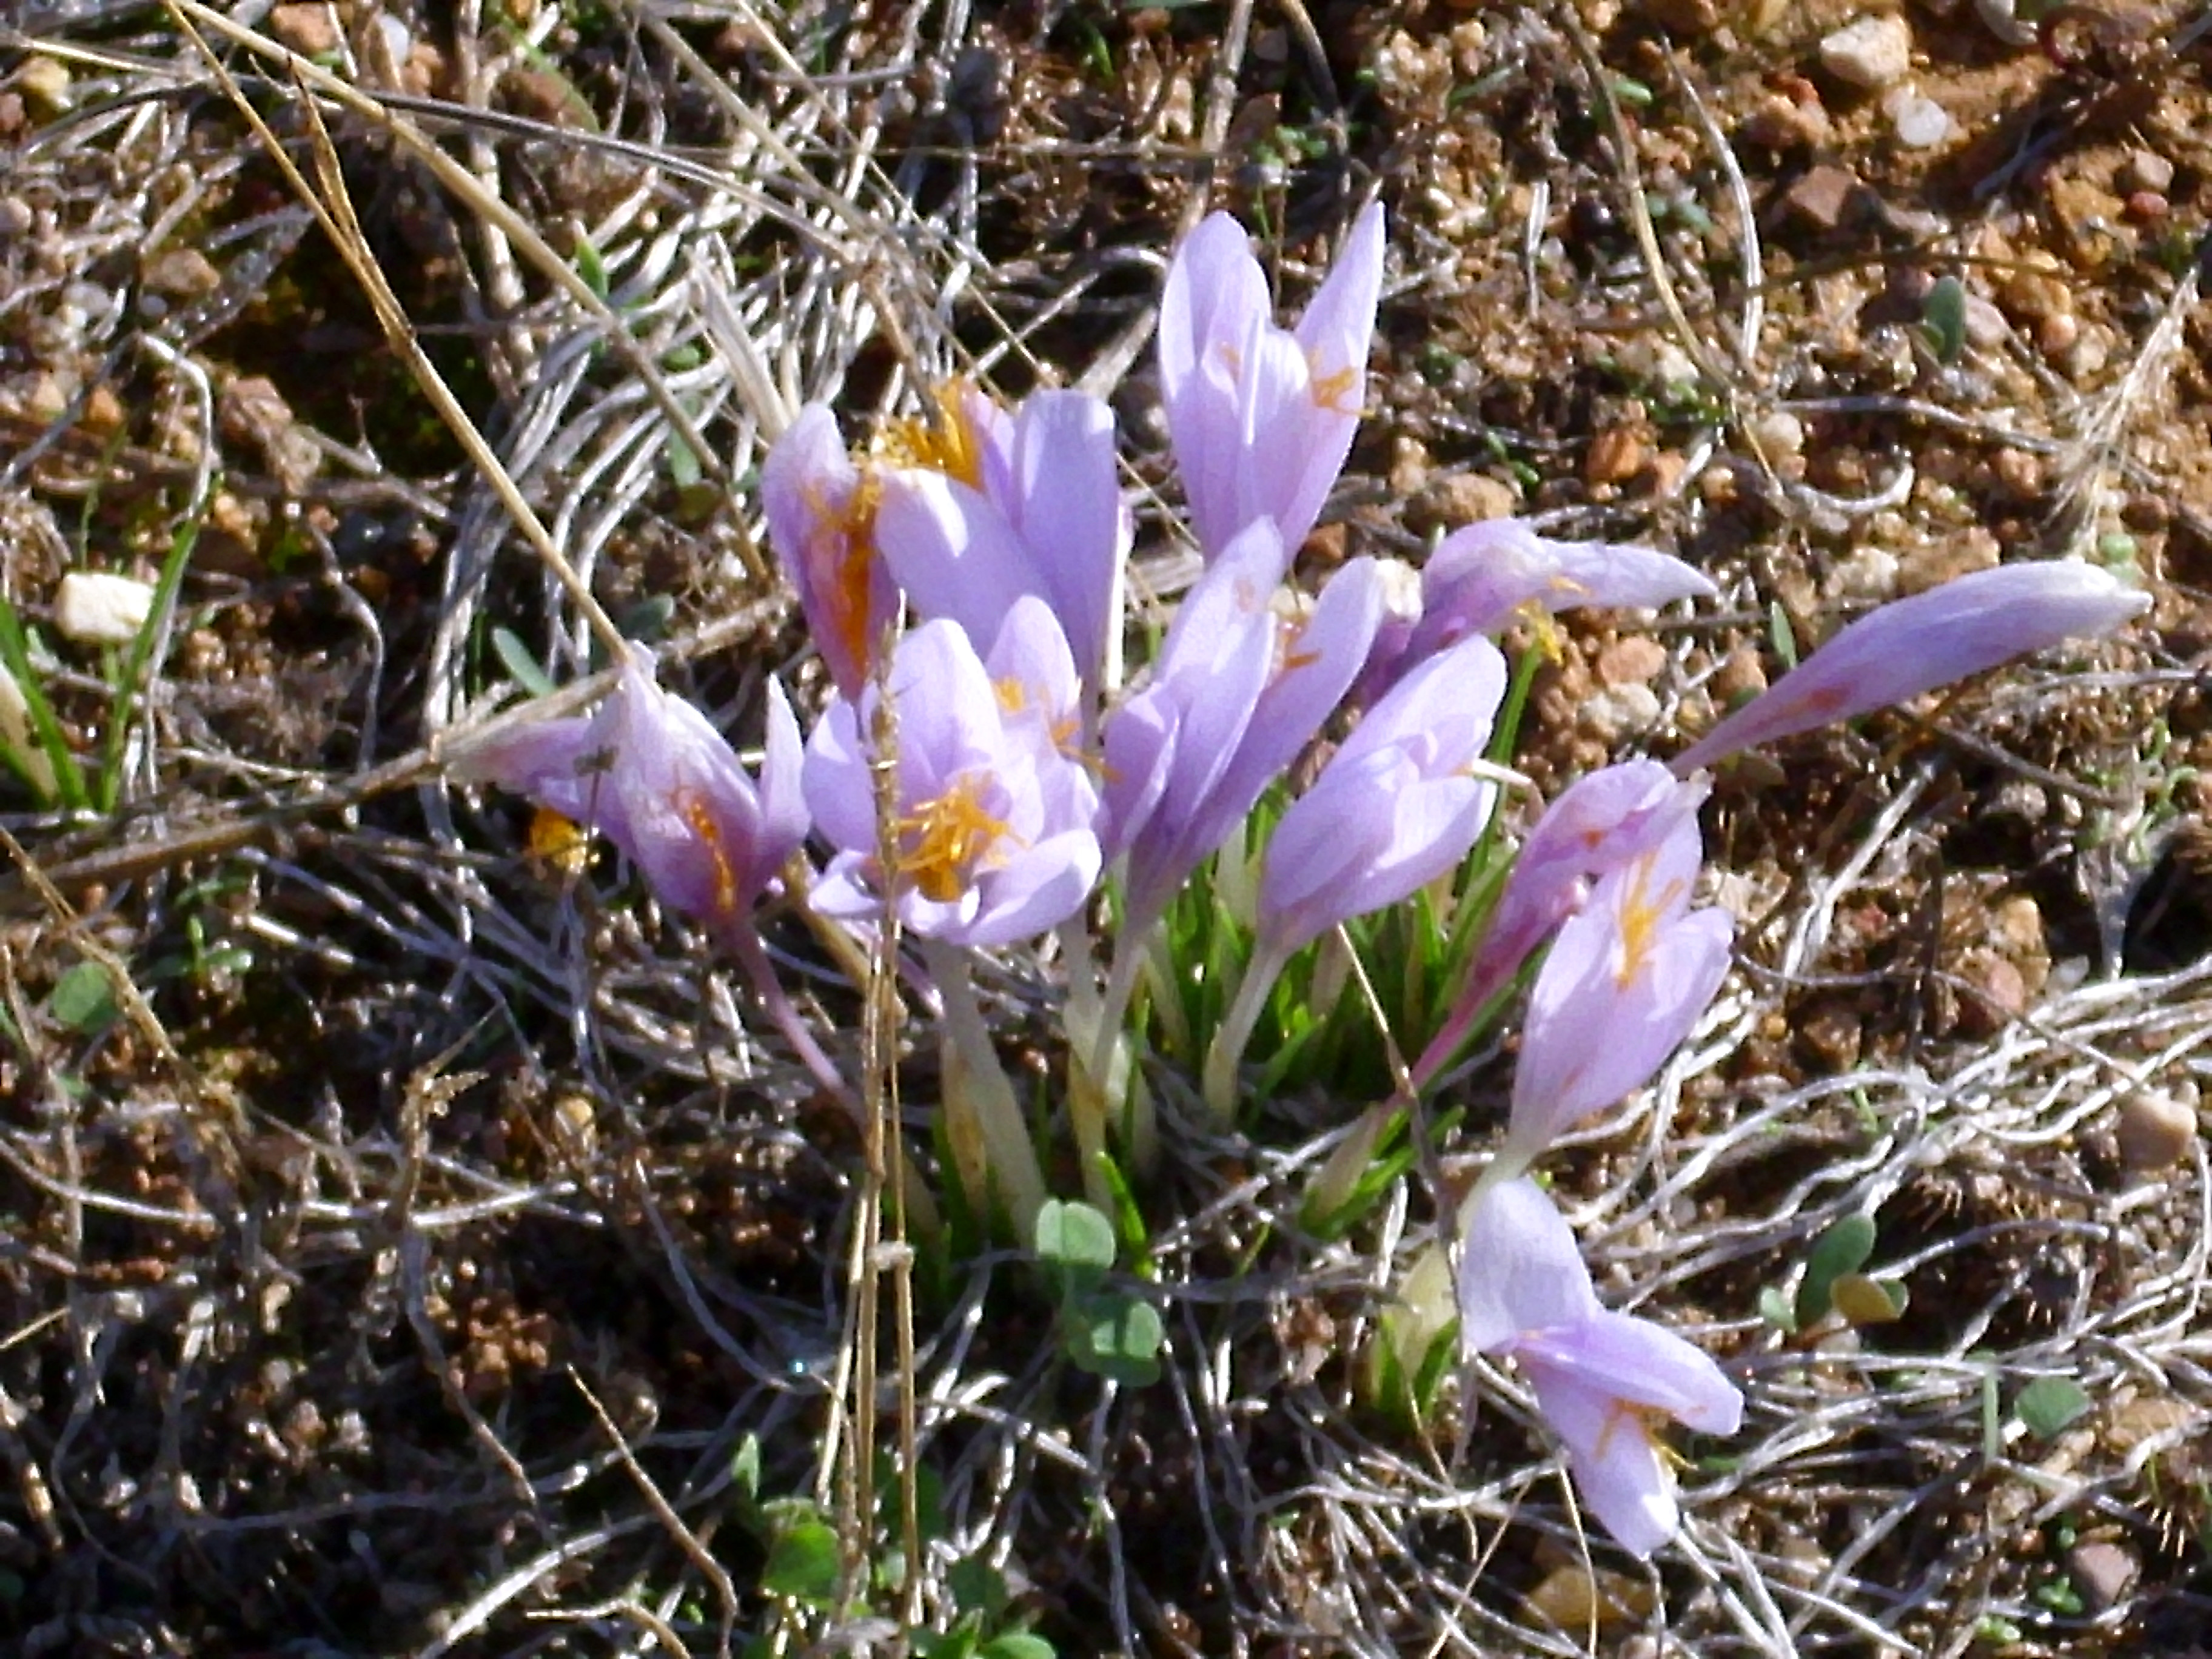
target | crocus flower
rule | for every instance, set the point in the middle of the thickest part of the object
(821, 513)
(1602, 1380)
(1031, 505)
(649, 772)
(1914, 645)
(1236, 693)
(1261, 418)
(1397, 806)
(995, 829)
(1482, 575)
(1626, 979)
(1598, 823)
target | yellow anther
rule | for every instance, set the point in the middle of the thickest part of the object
(1640, 917)
(945, 442)
(1545, 627)
(1651, 1425)
(947, 839)
(1333, 392)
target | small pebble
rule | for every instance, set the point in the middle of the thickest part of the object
(1818, 199)
(310, 29)
(1921, 122)
(45, 81)
(2154, 1130)
(94, 607)
(2103, 1571)
(1619, 713)
(1872, 53)
(2144, 169)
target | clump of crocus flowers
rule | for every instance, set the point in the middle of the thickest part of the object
(978, 773)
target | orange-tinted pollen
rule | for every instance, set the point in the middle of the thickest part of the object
(841, 558)
(946, 442)
(695, 813)
(942, 843)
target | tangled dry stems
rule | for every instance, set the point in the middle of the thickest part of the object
(414, 1289)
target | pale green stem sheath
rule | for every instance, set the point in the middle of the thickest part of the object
(1092, 1052)
(983, 1120)
(1228, 1042)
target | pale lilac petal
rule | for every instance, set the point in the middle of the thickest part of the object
(558, 763)
(994, 822)
(1206, 684)
(1482, 575)
(1261, 419)
(1314, 665)
(1215, 291)
(1066, 505)
(1899, 650)
(834, 776)
(1520, 1269)
(1598, 823)
(1038, 889)
(951, 549)
(1626, 979)
(1617, 1468)
(784, 818)
(1334, 855)
(1640, 1364)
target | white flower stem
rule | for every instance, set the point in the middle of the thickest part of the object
(983, 1119)
(1222, 1058)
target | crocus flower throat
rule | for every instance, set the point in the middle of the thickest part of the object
(949, 838)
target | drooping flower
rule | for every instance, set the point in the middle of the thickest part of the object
(1914, 645)
(1029, 505)
(1597, 823)
(1238, 691)
(1398, 804)
(1627, 978)
(652, 774)
(1261, 418)
(821, 510)
(1604, 1380)
(995, 835)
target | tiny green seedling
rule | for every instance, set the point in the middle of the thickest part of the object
(1103, 1329)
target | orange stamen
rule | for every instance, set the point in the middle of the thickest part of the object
(695, 811)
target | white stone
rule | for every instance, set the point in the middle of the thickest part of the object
(1874, 53)
(1618, 713)
(96, 608)
(1921, 122)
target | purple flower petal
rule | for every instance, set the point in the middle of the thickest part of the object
(1899, 650)
(1261, 419)
(1520, 1268)
(1626, 979)
(1334, 855)
(819, 517)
